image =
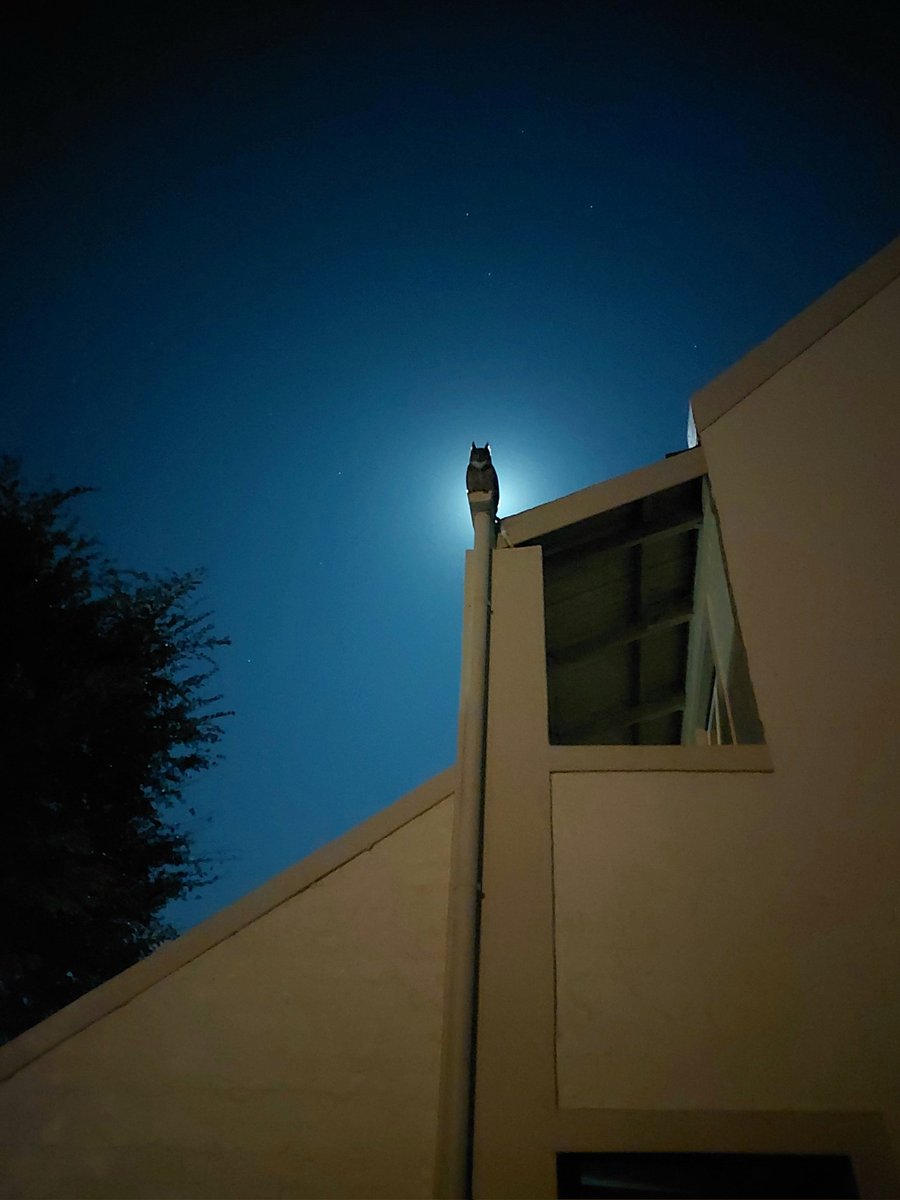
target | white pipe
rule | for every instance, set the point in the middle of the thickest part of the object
(456, 1100)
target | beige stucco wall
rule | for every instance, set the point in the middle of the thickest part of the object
(805, 475)
(298, 1057)
(731, 942)
(709, 957)
(719, 926)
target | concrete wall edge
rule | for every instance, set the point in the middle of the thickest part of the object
(590, 759)
(790, 341)
(122, 988)
(601, 497)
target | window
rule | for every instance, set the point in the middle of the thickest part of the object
(643, 642)
(669, 1175)
(720, 706)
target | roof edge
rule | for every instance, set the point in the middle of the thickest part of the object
(124, 987)
(601, 497)
(792, 339)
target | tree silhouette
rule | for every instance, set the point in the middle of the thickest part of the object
(103, 719)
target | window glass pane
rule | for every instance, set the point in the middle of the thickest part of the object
(658, 1176)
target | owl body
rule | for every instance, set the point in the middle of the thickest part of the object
(481, 476)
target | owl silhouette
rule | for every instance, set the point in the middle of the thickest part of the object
(481, 476)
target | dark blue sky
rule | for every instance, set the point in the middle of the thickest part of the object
(270, 268)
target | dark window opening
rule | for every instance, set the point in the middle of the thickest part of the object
(662, 1176)
(643, 641)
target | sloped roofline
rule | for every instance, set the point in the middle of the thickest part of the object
(801, 332)
(711, 402)
(122, 988)
(601, 497)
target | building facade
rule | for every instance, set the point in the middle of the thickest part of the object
(687, 971)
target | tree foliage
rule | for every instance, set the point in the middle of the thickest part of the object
(103, 719)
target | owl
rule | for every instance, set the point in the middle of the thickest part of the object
(481, 476)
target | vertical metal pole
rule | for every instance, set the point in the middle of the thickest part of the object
(456, 1101)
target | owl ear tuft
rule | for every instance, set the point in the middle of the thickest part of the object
(473, 446)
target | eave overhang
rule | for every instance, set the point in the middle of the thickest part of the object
(534, 524)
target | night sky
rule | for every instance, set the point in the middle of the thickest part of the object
(270, 268)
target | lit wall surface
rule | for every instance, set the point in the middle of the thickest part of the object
(296, 1058)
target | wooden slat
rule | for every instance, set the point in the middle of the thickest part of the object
(604, 724)
(633, 535)
(592, 647)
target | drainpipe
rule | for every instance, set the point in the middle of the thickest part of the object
(456, 1100)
